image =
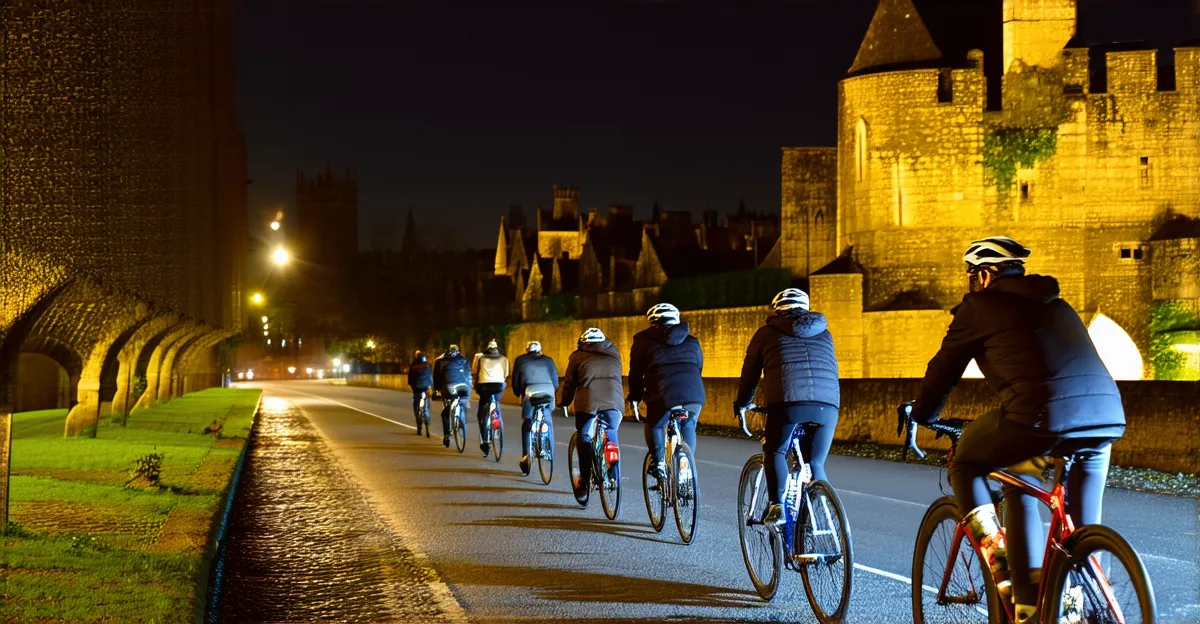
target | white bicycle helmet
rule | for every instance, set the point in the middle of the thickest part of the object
(790, 299)
(533, 347)
(492, 344)
(591, 335)
(663, 314)
(995, 250)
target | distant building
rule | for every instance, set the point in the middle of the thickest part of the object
(326, 247)
(1091, 159)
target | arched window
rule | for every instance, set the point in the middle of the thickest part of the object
(860, 149)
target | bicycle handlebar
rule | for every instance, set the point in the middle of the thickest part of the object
(741, 416)
(907, 427)
(637, 411)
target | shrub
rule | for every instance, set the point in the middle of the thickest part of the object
(147, 469)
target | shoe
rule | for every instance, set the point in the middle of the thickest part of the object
(774, 515)
(485, 447)
(446, 441)
(659, 471)
(525, 465)
(580, 491)
(418, 430)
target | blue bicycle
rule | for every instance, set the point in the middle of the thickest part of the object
(814, 539)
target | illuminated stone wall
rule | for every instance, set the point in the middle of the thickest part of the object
(809, 214)
(122, 181)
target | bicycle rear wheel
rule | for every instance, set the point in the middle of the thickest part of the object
(969, 592)
(656, 504)
(460, 429)
(762, 550)
(610, 485)
(573, 469)
(826, 533)
(427, 420)
(1102, 577)
(687, 492)
(544, 450)
(497, 437)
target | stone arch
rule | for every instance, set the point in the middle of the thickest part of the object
(13, 338)
(134, 358)
(169, 385)
(154, 366)
(187, 360)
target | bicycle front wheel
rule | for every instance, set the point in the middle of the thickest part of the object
(652, 489)
(969, 591)
(610, 488)
(1102, 580)
(826, 553)
(762, 550)
(460, 430)
(498, 440)
(687, 492)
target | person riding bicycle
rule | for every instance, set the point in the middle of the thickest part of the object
(533, 374)
(491, 371)
(665, 366)
(451, 378)
(793, 353)
(593, 385)
(420, 379)
(1035, 352)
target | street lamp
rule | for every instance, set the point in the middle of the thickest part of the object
(257, 299)
(275, 225)
(264, 320)
(370, 344)
(281, 256)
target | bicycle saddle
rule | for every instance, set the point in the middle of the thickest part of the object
(1076, 448)
(541, 400)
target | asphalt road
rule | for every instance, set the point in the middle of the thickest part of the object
(513, 550)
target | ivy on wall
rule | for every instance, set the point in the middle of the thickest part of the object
(735, 289)
(1007, 149)
(1172, 324)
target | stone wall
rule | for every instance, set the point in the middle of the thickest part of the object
(809, 210)
(1163, 416)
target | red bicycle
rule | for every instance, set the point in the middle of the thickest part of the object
(1090, 573)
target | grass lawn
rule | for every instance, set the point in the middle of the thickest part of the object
(83, 546)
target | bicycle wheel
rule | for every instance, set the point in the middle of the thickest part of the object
(969, 591)
(1101, 581)
(573, 469)
(498, 439)
(762, 550)
(610, 487)
(826, 532)
(460, 430)
(656, 504)
(426, 410)
(687, 492)
(545, 454)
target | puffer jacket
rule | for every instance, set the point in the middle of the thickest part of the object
(420, 376)
(490, 367)
(795, 358)
(532, 370)
(1035, 352)
(450, 370)
(593, 379)
(665, 367)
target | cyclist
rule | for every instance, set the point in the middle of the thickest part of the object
(420, 379)
(1034, 350)
(491, 371)
(451, 378)
(665, 364)
(533, 374)
(793, 353)
(593, 384)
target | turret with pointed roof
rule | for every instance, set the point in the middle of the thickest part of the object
(896, 37)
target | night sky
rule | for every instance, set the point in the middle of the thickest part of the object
(462, 109)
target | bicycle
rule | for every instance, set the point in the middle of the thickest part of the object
(495, 429)
(458, 422)
(814, 539)
(541, 446)
(423, 412)
(681, 488)
(1076, 585)
(606, 468)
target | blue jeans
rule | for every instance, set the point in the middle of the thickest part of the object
(583, 422)
(993, 442)
(527, 425)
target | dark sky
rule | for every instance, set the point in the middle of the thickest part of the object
(462, 109)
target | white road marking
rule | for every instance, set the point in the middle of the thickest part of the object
(349, 407)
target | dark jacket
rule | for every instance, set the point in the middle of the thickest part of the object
(665, 366)
(796, 360)
(450, 370)
(533, 369)
(1035, 353)
(420, 375)
(593, 379)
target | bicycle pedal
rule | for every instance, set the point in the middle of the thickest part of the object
(806, 559)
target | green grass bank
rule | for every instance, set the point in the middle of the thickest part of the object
(89, 542)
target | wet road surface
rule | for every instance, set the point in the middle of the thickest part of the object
(305, 544)
(513, 550)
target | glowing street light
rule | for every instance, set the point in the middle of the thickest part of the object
(281, 256)
(336, 363)
(264, 320)
(257, 299)
(308, 371)
(266, 333)
(291, 370)
(370, 344)
(275, 225)
(266, 326)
